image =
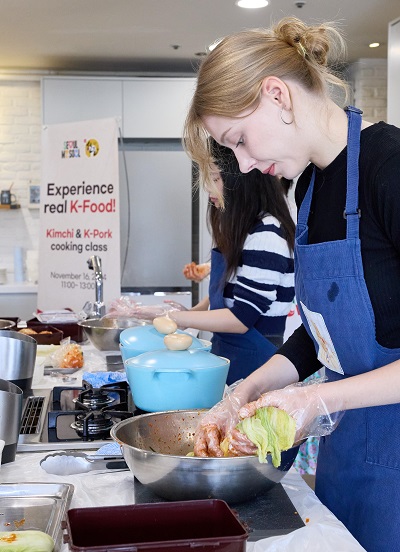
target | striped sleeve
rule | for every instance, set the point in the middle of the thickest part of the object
(264, 283)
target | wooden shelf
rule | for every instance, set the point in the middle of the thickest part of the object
(11, 207)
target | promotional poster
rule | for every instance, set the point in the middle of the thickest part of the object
(79, 213)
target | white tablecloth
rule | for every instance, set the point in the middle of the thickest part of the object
(322, 531)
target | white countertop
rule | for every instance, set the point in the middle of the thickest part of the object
(322, 531)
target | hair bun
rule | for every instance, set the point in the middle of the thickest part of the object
(317, 43)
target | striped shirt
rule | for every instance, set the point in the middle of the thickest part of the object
(261, 292)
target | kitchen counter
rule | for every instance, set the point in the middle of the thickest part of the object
(322, 532)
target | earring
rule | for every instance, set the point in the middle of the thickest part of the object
(283, 120)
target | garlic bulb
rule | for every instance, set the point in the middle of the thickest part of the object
(177, 342)
(165, 325)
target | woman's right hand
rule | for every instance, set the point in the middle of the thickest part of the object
(196, 272)
(219, 423)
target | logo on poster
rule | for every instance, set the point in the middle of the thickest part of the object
(70, 150)
(92, 147)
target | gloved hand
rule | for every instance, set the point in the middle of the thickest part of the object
(175, 306)
(196, 272)
(304, 403)
(219, 423)
(149, 312)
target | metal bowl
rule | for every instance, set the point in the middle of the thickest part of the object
(6, 324)
(104, 333)
(155, 447)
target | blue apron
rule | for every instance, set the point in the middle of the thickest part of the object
(358, 470)
(246, 352)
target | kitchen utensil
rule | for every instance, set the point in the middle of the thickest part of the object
(155, 448)
(6, 324)
(172, 380)
(37, 506)
(7, 198)
(142, 339)
(17, 359)
(69, 463)
(10, 418)
(104, 333)
(206, 525)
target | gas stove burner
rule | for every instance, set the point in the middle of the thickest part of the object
(94, 425)
(87, 413)
(93, 399)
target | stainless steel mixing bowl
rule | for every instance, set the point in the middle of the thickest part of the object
(6, 324)
(104, 333)
(155, 447)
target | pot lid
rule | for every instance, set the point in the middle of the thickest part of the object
(147, 338)
(177, 360)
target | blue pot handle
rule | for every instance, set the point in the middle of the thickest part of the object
(159, 371)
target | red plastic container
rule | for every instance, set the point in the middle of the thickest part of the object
(52, 338)
(71, 330)
(203, 525)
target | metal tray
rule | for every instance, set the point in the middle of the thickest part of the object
(48, 370)
(36, 506)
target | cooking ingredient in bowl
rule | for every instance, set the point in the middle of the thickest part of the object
(73, 357)
(27, 331)
(272, 430)
(164, 325)
(178, 342)
(26, 541)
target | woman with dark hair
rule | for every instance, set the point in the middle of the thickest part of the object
(251, 281)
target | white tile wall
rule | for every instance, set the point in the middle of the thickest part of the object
(20, 146)
(369, 82)
(20, 149)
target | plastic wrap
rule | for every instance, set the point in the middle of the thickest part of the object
(68, 355)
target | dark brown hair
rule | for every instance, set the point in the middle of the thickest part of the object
(247, 199)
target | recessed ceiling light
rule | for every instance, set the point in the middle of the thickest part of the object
(252, 3)
(374, 45)
(214, 44)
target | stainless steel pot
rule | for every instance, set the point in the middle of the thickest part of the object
(17, 359)
(104, 333)
(10, 418)
(6, 324)
(155, 447)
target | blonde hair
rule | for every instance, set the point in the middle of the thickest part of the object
(230, 77)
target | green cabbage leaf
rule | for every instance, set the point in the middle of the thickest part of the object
(271, 430)
(26, 541)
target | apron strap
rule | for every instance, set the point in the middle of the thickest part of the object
(304, 211)
(352, 213)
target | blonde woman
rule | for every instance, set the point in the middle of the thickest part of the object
(273, 98)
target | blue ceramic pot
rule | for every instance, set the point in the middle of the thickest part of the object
(176, 380)
(143, 339)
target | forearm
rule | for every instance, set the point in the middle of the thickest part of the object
(276, 373)
(218, 320)
(202, 305)
(377, 387)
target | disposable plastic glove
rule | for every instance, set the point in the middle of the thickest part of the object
(175, 306)
(196, 272)
(217, 424)
(149, 312)
(304, 403)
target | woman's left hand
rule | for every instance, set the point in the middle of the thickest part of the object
(175, 306)
(304, 403)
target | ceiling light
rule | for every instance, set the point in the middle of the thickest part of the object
(374, 45)
(252, 3)
(214, 44)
